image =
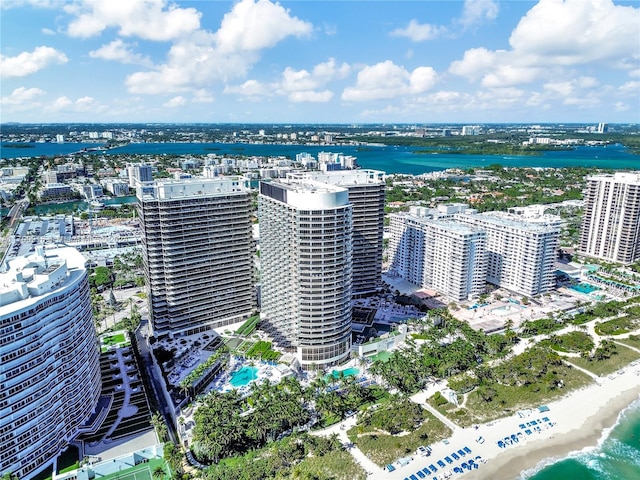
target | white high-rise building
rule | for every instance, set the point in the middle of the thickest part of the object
(611, 220)
(198, 253)
(306, 263)
(139, 172)
(367, 197)
(49, 359)
(521, 254)
(443, 255)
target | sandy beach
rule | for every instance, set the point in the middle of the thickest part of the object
(578, 421)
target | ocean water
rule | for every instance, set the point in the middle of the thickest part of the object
(616, 457)
(390, 159)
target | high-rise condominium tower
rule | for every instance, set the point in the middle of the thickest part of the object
(367, 196)
(443, 255)
(139, 173)
(306, 258)
(49, 365)
(198, 253)
(611, 220)
(520, 254)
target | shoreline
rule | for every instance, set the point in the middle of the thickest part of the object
(579, 420)
(536, 455)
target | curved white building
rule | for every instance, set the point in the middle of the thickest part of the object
(306, 267)
(49, 366)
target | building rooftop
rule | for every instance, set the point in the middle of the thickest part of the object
(164, 190)
(28, 277)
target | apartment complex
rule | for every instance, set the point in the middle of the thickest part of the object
(442, 255)
(139, 173)
(198, 253)
(611, 220)
(509, 250)
(520, 254)
(367, 196)
(306, 269)
(49, 366)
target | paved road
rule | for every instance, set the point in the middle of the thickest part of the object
(157, 383)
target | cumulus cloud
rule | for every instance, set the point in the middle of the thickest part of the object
(120, 51)
(81, 105)
(250, 88)
(387, 80)
(477, 11)
(298, 85)
(304, 85)
(27, 63)
(311, 96)
(418, 32)
(203, 57)
(147, 19)
(255, 25)
(574, 32)
(48, 31)
(554, 35)
(175, 102)
(21, 96)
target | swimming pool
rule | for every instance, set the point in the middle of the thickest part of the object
(347, 372)
(585, 288)
(504, 310)
(243, 376)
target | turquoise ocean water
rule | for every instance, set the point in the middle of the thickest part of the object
(616, 457)
(387, 158)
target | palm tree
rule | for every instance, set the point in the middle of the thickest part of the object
(158, 473)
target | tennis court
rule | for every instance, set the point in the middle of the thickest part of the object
(142, 474)
(143, 471)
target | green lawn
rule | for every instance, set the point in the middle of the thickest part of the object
(114, 339)
(632, 341)
(338, 465)
(383, 448)
(622, 358)
(507, 399)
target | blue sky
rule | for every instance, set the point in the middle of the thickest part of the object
(480, 61)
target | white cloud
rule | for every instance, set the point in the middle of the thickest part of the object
(202, 96)
(311, 96)
(22, 96)
(48, 31)
(573, 32)
(147, 19)
(204, 58)
(119, 51)
(250, 88)
(561, 88)
(388, 80)
(630, 87)
(82, 105)
(477, 11)
(554, 35)
(27, 63)
(255, 25)
(61, 103)
(621, 107)
(634, 73)
(322, 73)
(298, 85)
(175, 102)
(418, 32)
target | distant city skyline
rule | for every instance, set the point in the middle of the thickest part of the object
(258, 61)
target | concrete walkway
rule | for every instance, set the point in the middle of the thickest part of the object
(341, 430)
(421, 399)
